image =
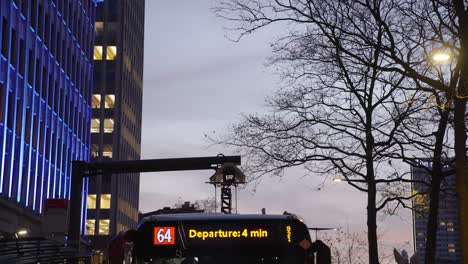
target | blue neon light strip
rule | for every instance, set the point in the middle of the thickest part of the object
(27, 162)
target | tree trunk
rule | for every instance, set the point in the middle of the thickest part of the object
(372, 224)
(461, 173)
(434, 196)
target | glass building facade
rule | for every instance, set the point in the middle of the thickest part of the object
(46, 71)
(448, 241)
(116, 116)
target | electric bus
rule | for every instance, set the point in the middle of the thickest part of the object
(220, 239)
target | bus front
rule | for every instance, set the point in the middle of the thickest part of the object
(222, 239)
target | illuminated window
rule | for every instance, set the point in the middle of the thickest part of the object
(104, 226)
(94, 150)
(450, 223)
(111, 52)
(108, 125)
(107, 151)
(95, 125)
(420, 234)
(96, 102)
(450, 229)
(451, 250)
(451, 245)
(105, 201)
(97, 52)
(91, 201)
(90, 227)
(442, 223)
(109, 101)
(98, 27)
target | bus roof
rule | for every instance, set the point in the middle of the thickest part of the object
(215, 216)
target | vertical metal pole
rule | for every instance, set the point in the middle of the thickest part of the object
(74, 225)
(235, 187)
(226, 199)
(216, 203)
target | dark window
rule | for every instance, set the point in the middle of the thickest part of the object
(56, 96)
(42, 137)
(22, 51)
(46, 31)
(47, 140)
(62, 53)
(34, 14)
(100, 12)
(31, 68)
(65, 110)
(11, 110)
(73, 69)
(61, 111)
(40, 30)
(59, 154)
(5, 37)
(28, 125)
(58, 42)
(44, 83)
(50, 91)
(53, 40)
(19, 116)
(60, 6)
(110, 78)
(2, 102)
(24, 7)
(35, 131)
(70, 14)
(37, 85)
(14, 48)
(53, 148)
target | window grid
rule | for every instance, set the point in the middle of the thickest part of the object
(45, 117)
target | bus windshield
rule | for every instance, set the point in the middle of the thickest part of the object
(265, 259)
(221, 239)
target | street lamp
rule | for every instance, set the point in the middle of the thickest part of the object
(316, 229)
(21, 232)
(441, 56)
(347, 180)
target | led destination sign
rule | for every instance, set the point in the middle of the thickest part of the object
(241, 232)
(238, 233)
(228, 234)
(169, 236)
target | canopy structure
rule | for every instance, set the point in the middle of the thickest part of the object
(38, 250)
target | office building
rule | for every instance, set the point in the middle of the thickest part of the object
(448, 243)
(116, 116)
(46, 53)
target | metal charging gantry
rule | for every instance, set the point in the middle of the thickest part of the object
(82, 169)
(226, 176)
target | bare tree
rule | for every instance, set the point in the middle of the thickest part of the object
(347, 247)
(412, 31)
(341, 113)
(208, 205)
(371, 43)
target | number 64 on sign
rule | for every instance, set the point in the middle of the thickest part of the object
(164, 235)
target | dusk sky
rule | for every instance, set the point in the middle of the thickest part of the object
(198, 82)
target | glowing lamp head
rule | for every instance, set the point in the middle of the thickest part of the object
(441, 57)
(337, 180)
(22, 232)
